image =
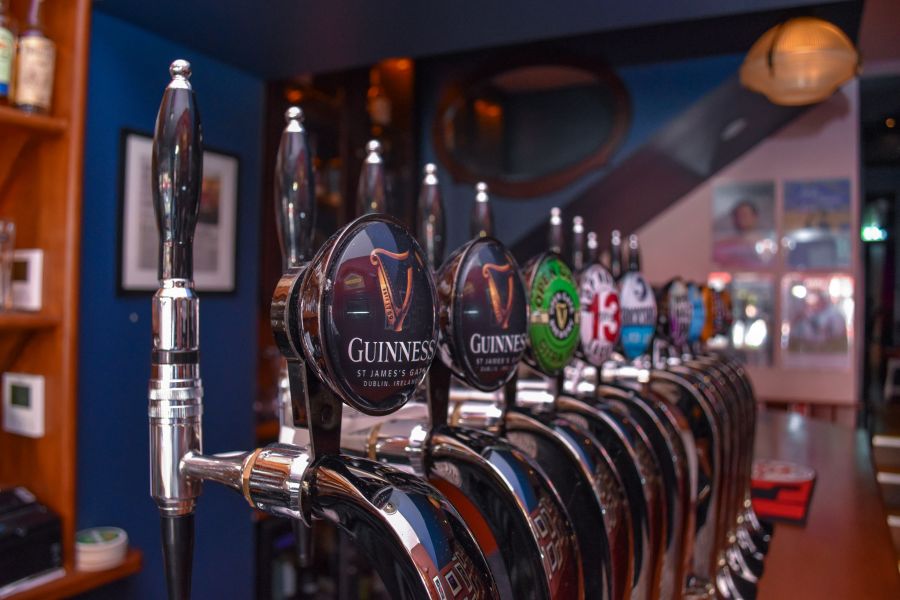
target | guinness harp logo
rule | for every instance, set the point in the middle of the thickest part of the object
(501, 312)
(395, 314)
(562, 314)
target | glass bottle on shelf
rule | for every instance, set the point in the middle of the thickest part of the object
(7, 51)
(35, 64)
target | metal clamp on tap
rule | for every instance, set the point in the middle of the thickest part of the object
(356, 324)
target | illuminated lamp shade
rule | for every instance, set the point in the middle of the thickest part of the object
(801, 61)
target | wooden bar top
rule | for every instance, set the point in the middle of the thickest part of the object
(845, 548)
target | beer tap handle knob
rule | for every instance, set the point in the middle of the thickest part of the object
(482, 223)
(634, 253)
(555, 236)
(593, 249)
(431, 217)
(615, 254)
(177, 173)
(295, 194)
(371, 196)
(577, 244)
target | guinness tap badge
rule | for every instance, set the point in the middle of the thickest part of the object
(368, 303)
(483, 317)
(501, 311)
(394, 315)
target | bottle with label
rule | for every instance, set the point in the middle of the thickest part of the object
(35, 64)
(7, 51)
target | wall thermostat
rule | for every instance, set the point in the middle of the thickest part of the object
(27, 279)
(23, 404)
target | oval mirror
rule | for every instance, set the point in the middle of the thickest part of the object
(530, 129)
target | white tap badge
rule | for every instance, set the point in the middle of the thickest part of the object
(638, 314)
(601, 317)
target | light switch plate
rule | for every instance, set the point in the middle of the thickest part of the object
(23, 404)
(27, 279)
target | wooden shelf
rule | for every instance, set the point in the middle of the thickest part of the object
(12, 117)
(24, 321)
(79, 582)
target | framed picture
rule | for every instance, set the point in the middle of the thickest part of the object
(817, 224)
(743, 222)
(817, 321)
(215, 239)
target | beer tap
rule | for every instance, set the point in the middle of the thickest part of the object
(523, 527)
(661, 426)
(482, 221)
(295, 217)
(371, 196)
(175, 389)
(576, 462)
(413, 537)
(431, 217)
(746, 539)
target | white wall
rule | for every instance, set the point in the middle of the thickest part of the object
(822, 143)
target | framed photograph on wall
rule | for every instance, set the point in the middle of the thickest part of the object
(817, 321)
(215, 240)
(817, 224)
(743, 223)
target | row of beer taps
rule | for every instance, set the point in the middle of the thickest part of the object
(478, 429)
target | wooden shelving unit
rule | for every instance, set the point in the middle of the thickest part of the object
(78, 582)
(40, 190)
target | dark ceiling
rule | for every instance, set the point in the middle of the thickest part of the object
(279, 39)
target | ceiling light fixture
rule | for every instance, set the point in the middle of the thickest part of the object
(801, 61)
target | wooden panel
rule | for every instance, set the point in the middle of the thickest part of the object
(845, 549)
(40, 189)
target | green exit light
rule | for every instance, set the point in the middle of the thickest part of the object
(873, 233)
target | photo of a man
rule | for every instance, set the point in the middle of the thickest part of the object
(744, 224)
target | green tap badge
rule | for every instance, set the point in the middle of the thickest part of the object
(554, 311)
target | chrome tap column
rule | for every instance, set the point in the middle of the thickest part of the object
(175, 390)
(372, 359)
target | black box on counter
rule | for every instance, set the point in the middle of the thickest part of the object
(30, 536)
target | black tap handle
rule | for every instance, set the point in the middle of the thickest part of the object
(431, 217)
(592, 255)
(482, 223)
(295, 192)
(371, 195)
(615, 254)
(634, 253)
(177, 172)
(578, 244)
(178, 554)
(555, 235)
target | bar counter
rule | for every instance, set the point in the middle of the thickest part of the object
(845, 549)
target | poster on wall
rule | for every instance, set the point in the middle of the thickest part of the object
(817, 224)
(817, 321)
(743, 223)
(753, 304)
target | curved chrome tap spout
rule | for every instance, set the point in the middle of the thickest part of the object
(414, 538)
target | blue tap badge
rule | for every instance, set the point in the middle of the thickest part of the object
(698, 313)
(638, 314)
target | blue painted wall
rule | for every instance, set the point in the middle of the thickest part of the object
(128, 72)
(658, 91)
